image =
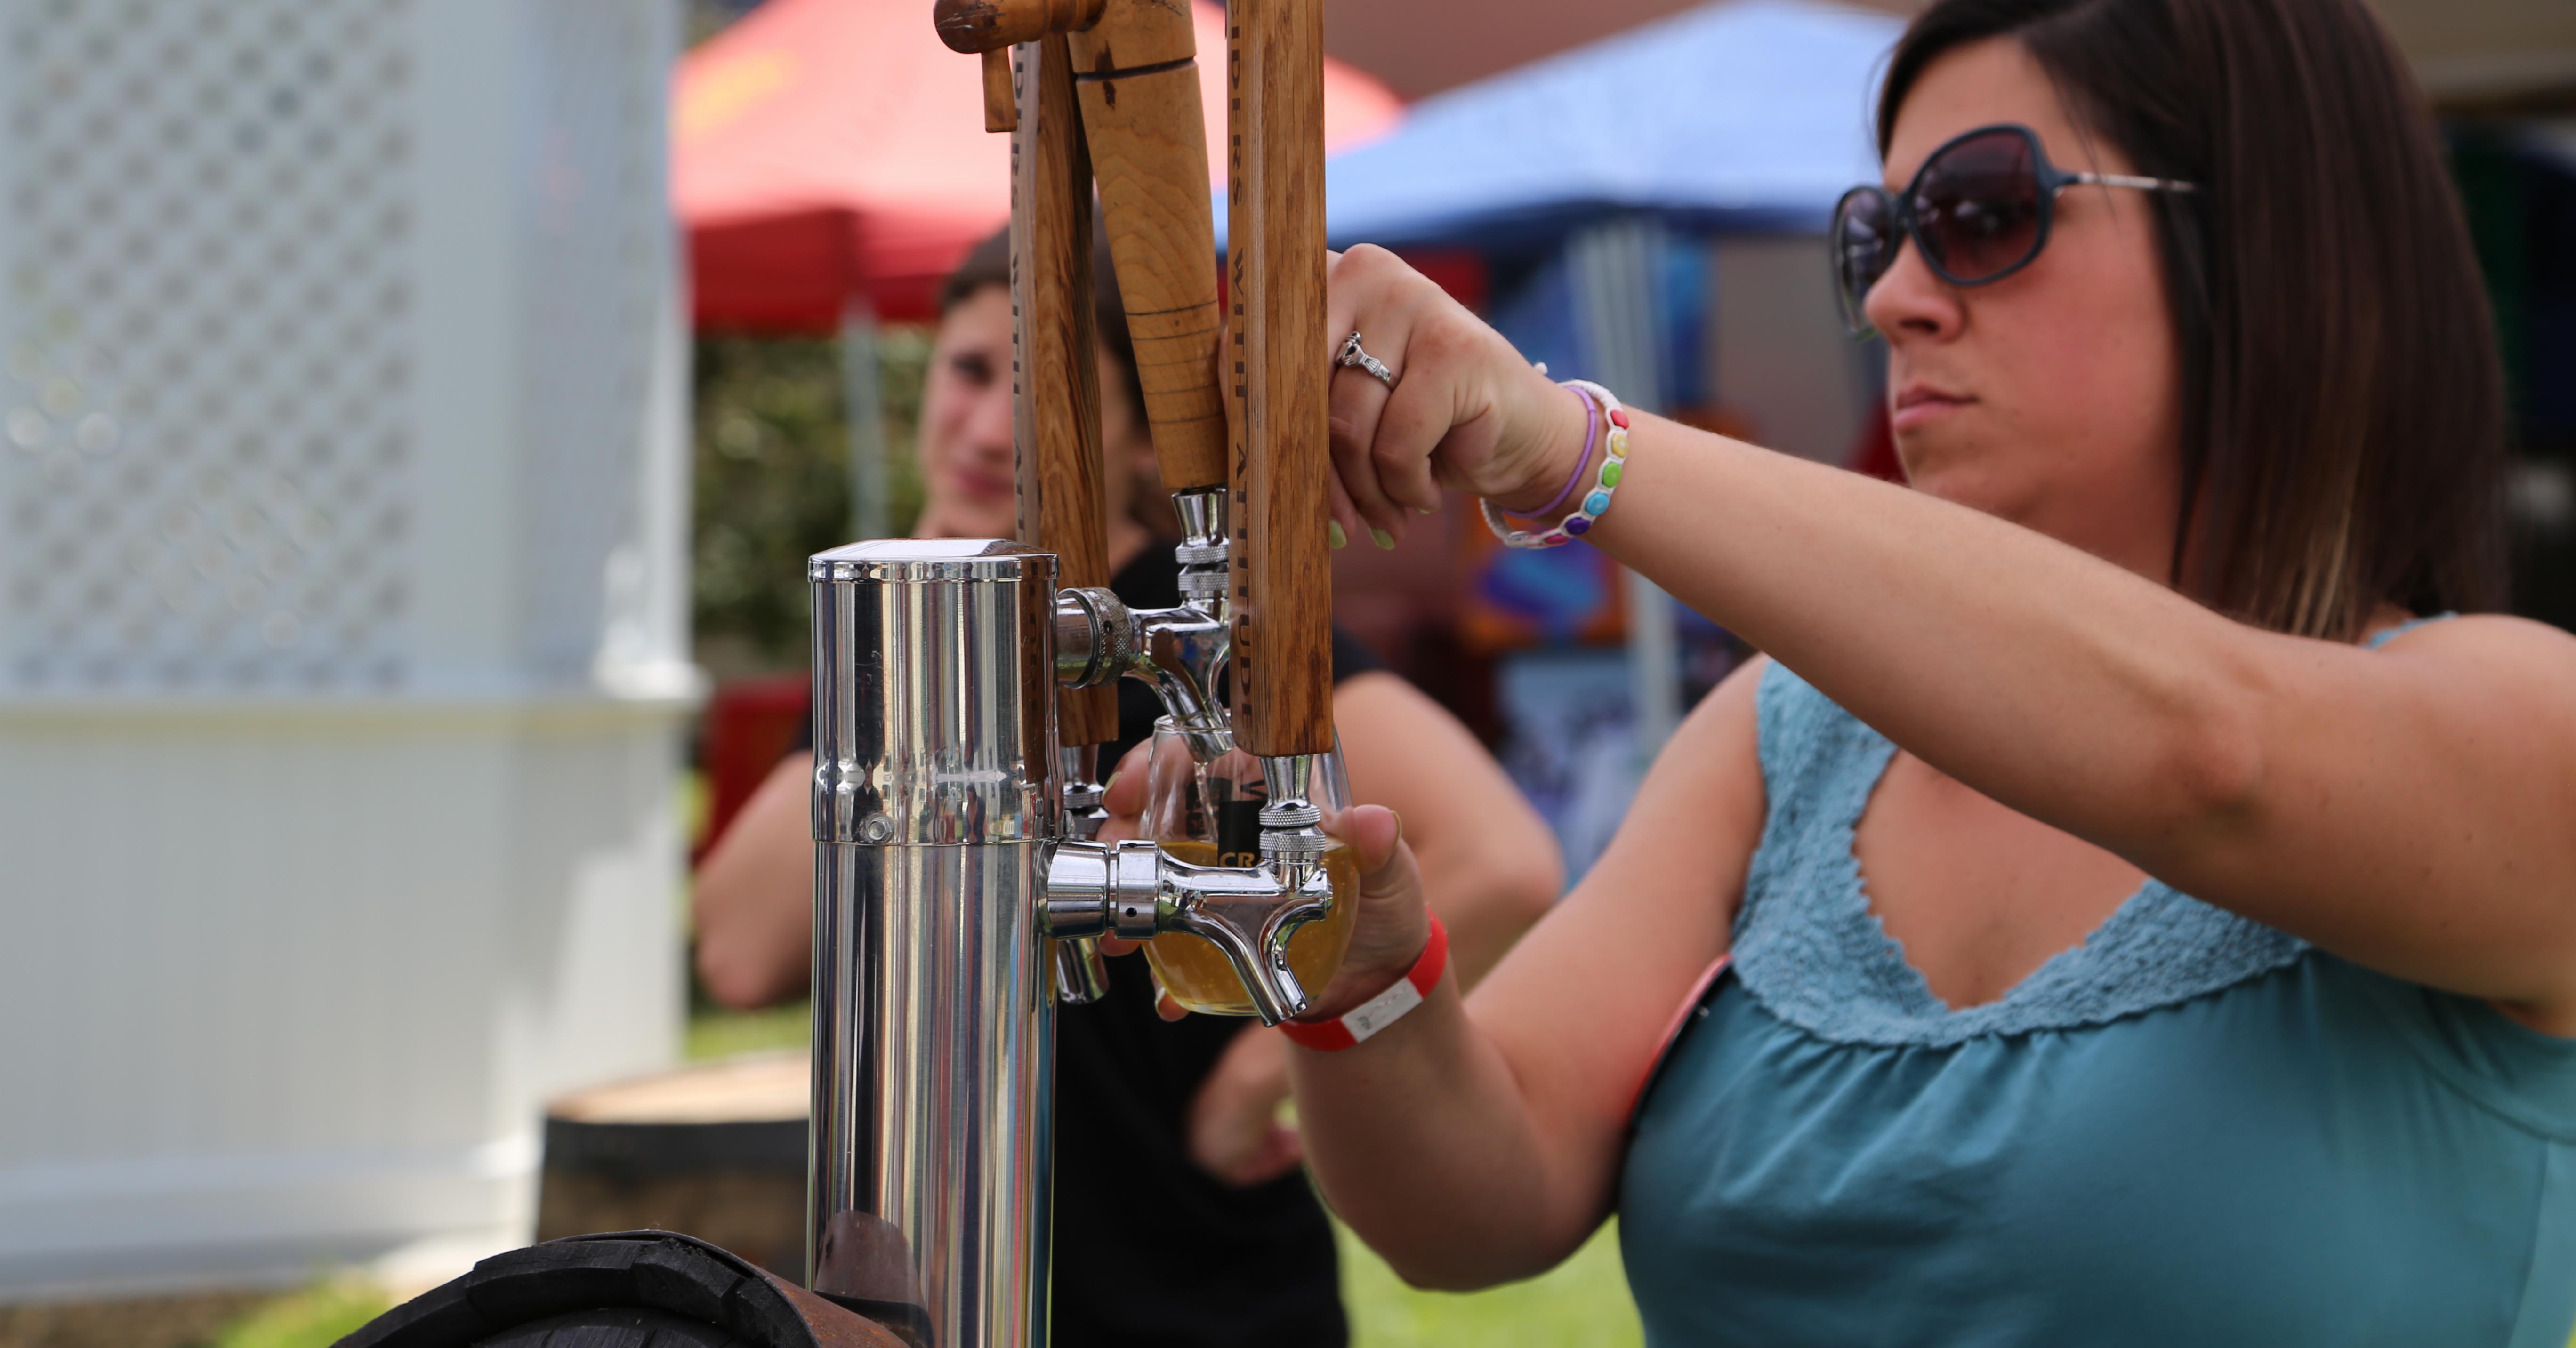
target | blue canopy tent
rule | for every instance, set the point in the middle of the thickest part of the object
(1743, 114)
(1746, 114)
(1575, 174)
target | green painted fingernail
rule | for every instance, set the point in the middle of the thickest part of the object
(1427, 510)
(1382, 538)
(1333, 531)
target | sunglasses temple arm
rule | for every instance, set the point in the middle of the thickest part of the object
(2127, 180)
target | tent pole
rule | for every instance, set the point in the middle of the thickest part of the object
(862, 402)
(1654, 662)
(1616, 269)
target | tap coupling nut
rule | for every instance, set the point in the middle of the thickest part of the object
(1106, 889)
(1095, 637)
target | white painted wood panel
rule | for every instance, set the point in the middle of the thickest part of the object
(342, 636)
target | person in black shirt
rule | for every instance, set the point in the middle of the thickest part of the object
(1207, 1235)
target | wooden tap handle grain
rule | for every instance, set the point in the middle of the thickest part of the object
(971, 26)
(1283, 583)
(1137, 73)
(1055, 373)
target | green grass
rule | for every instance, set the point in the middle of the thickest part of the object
(1582, 1303)
(723, 1034)
(316, 1317)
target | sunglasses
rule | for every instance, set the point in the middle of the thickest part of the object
(1978, 209)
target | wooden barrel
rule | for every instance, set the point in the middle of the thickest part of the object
(627, 1289)
(716, 1151)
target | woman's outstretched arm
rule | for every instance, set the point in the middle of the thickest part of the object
(1477, 1140)
(2406, 808)
(1489, 867)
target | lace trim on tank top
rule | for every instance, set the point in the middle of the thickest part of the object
(1809, 948)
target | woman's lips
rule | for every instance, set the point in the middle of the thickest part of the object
(982, 486)
(1917, 406)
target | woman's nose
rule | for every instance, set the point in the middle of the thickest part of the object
(1909, 301)
(987, 428)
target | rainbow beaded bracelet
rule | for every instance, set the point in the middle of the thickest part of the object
(1595, 501)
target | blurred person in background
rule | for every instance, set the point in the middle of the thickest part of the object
(2148, 876)
(1196, 1100)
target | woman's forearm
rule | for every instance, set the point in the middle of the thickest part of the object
(1423, 1143)
(753, 901)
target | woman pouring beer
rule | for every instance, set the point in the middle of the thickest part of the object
(2127, 905)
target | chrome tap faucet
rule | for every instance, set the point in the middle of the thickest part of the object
(1179, 652)
(1136, 891)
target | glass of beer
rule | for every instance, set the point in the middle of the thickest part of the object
(1208, 814)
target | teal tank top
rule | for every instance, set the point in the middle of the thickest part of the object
(2190, 1129)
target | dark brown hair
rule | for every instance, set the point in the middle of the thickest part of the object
(2343, 409)
(989, 264)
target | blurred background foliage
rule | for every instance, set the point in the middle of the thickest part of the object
(772, 483)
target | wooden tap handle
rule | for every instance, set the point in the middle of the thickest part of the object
(1283, 582)
(1137, 73)
(1001, 105)
(1055, 379)
(971, 26)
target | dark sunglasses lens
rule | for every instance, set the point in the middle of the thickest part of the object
(1977, 206)
(1864, 243)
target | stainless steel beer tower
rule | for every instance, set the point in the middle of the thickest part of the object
(934, 1015)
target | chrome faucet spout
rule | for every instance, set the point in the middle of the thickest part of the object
(1179, 652)
(1136, 891)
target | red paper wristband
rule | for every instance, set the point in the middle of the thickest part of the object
(1382, 1010)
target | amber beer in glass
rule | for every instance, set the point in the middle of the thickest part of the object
(1208, 814)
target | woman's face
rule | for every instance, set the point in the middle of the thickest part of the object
(965, 448)
(966, 476)
(2050, 397)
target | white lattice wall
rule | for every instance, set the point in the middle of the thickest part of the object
(211, 253)
(341, 615)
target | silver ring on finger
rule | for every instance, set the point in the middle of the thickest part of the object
(1353, 354)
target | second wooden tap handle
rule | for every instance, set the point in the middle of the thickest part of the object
(1278, 351)
(1055, 377)
(1137, 73)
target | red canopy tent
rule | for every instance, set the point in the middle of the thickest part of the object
(827, 151)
